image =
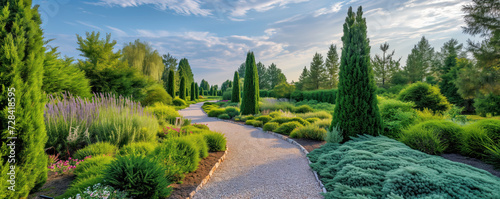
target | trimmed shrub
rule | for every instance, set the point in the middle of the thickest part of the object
(163, 112)
(256, 123)
(138, 148)
(156, 94)
(201, 126)
(248, 117)
(303, 109)
(232, 111)
(298, 119)
(216, 112)
(235, 92)
(224, 116)
(275, 114)
(93, 166)
(249, 122)
(425, 95)
(446, 131)
(179, 102)
(280, 120)
(182, 88)
(140, 176)
(324, 123)
(425, 140)
(287, 128)
(312, 119)
(328, 96)
(215, 141)
(100, 148)
(270, 126)
(226, 95)
(250, 100)
(264, 118)
(397, 115)
(312, 132)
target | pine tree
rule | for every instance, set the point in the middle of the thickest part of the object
(21, 76)
(420, 61)
(182, 88)
(235, 97)
(385, 66)
(171, 83)
(356, 110)
(274, 76)
(170, 63)
(303, 83)
(450, 74)
(193, 98)
(332, 66)
(250, 101)
(196, 88)
(317, 72)
(263, 81)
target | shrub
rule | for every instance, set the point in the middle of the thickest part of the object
(250, 99)
(182, 89)
(275, 114)
(473, 142)
(280, 120)
(256, 123)
(303, 109)
(426, 115)
(446, 131)
(334, 135)
(270, 126)
(139, 175)
(100, 148)
(248, 117)
(491, 126)
(138, 148)
(276, 106)
(319, 106)
(379, 167)
(224, 116)
(93, 166)
(425, 140)
(100, 191)
(312, 132)
(80, 185)
(288, 127)
(156, 94)
(425, 95)
(298, 119)
(235, 91)
(324, 123)
(163, 112)
(264, 118)
(249, 122)
(201, 126)
(397, 115)
(216, 112)
(179, 102)
(215, 141)
(328, 96)
(226, 95)
(178, 158)
(319, 114)
(232, 111)
(312, 119)
(200, 143)
(488, 104)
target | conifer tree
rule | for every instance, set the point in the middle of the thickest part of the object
(317, 72)
(250, 101)
(171, 83)
(385, 66)
(22, 100)
(196, 89)
(182, 88)
(332, 67)
(202, 91)
(184, 70)
(303, 82)
(356, 110)
(192, 92)
(420, 61)
(235, 97)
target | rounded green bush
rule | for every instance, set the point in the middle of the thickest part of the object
(490, 126)
(446, 131)
(270, 126)
(140, 176)
(397, 115)
(303, 109)
(312, 132)
(100, 148)
(280, 120)
(256, 123)
(163, 112)
(300, 120)
(264, 118)
(216, 112)
(201, 126)
(249, 122)
(200, 143)
(312, 119)
(324, 123)
(232, 111)
(156, 94)
(247, 117)
(215, 141)
(138, 148)
(288, 127)
(224, 116)
(425, 95)
(93, 166)
(275, 114)
(424, 140)
(179, 102)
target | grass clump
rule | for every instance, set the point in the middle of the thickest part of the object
(264, 118)
(216, 112)
(324, 123)
(138, 148)
(100, 148)
(215, 141)
(288, 127)
(312, 132)
(270, 126)
(224, 116)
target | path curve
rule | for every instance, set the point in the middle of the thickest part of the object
(259, 164)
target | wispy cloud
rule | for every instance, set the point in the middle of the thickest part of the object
(117, 31)
(89, 25)
(184, 7)
(333, 9)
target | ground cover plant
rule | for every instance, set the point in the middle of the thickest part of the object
(380, 167)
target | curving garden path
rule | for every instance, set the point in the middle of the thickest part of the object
(258, 165)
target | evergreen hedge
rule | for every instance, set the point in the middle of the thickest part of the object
(328, 96)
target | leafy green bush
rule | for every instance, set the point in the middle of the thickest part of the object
(312, 119)
(488, 104)
(397, 115)
(215, 141)
(303, 109)
(224, 116)
(138, 148)
(248, 117)
(280, 120)
(287, 128)
(328, 96)
(179, 102)
(264, 118)
(227, 94)
(178, 158)
(139, 175)
(300, 120)
(324, 123)
(100, 148)
(232, 111)
(425, 95)
(270, 126)
(200, 143)
(156, 94)
(201, 126)
(216, 112)
(163, 112)
(93, 166)
(312, 132)
(275, 114)
(425, 140)
(249, 122)
(379, 167)
(257, 123)
(446, 131)
(319, 114)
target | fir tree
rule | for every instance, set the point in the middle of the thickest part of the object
(193, 98)
(332, 66)
(171, 83)
(447, 84)
(317, 72)
(21, 73)
(182, 88)
(250, 101)
(303, 83)
(420, 61)
(235, 97)
(197, 94)
(356, 110)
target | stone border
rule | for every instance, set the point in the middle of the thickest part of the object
(206, 179)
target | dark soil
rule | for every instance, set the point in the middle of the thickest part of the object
(472, 162)
(308, 144)
(56, 185)
(192, 180)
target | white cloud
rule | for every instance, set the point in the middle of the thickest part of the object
(184, 7)
(240, 8)
(117, 31)
(89, 25)
(333, 9)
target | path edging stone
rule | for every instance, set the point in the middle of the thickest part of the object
(207, 178)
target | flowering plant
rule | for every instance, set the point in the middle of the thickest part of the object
(100, 191)
(65, 167)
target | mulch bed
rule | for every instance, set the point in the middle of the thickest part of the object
(57, 185)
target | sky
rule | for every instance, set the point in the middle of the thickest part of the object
(215, 35)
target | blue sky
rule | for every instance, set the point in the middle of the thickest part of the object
(214, 35)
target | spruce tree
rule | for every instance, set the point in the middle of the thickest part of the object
(356, 110)
(192, 92)
(196, 93)
(250, 101)
(235, 97)
(171, 83)
(317, 72)
(182, 88)
(303, 83)
(22, 101)
(332, 66)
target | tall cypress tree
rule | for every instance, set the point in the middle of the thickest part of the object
(192, 92)
(235, 97)
(356, 110)
(250, 101)
(171, 83)
(182, 88)
(202, 91)
(197, 91)
(21, 99)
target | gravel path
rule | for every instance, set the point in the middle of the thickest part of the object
(258, 164)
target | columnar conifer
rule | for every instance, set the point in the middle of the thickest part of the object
(171, 83)
(250, 101)
(182, 88)
(192, 92)
(235, 97)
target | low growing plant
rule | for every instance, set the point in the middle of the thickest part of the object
(100, 148)
(312, 132)
(215, 141)
(270, 126)
(287, 128)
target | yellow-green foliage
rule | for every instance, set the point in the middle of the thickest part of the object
(163, 112)
(256, 123)
(280, 120)
(224, 116)
(249, 122)
(100, 148)
(397, 115)
(424, 140)
(92, 166)
(303, 109)
(482, 140)
(287, 128)
(275, 114)
(264, 118)
(271, 126)
(426, 115)
(447, 132)
(247, 117)
(319, 114)
(232, 111)
(312, 119)
(216, 112)
(312, 132)
(138, 148)
(179, 102)
(298, 119)
(379, 167)
(215, 141)
(324, 123)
